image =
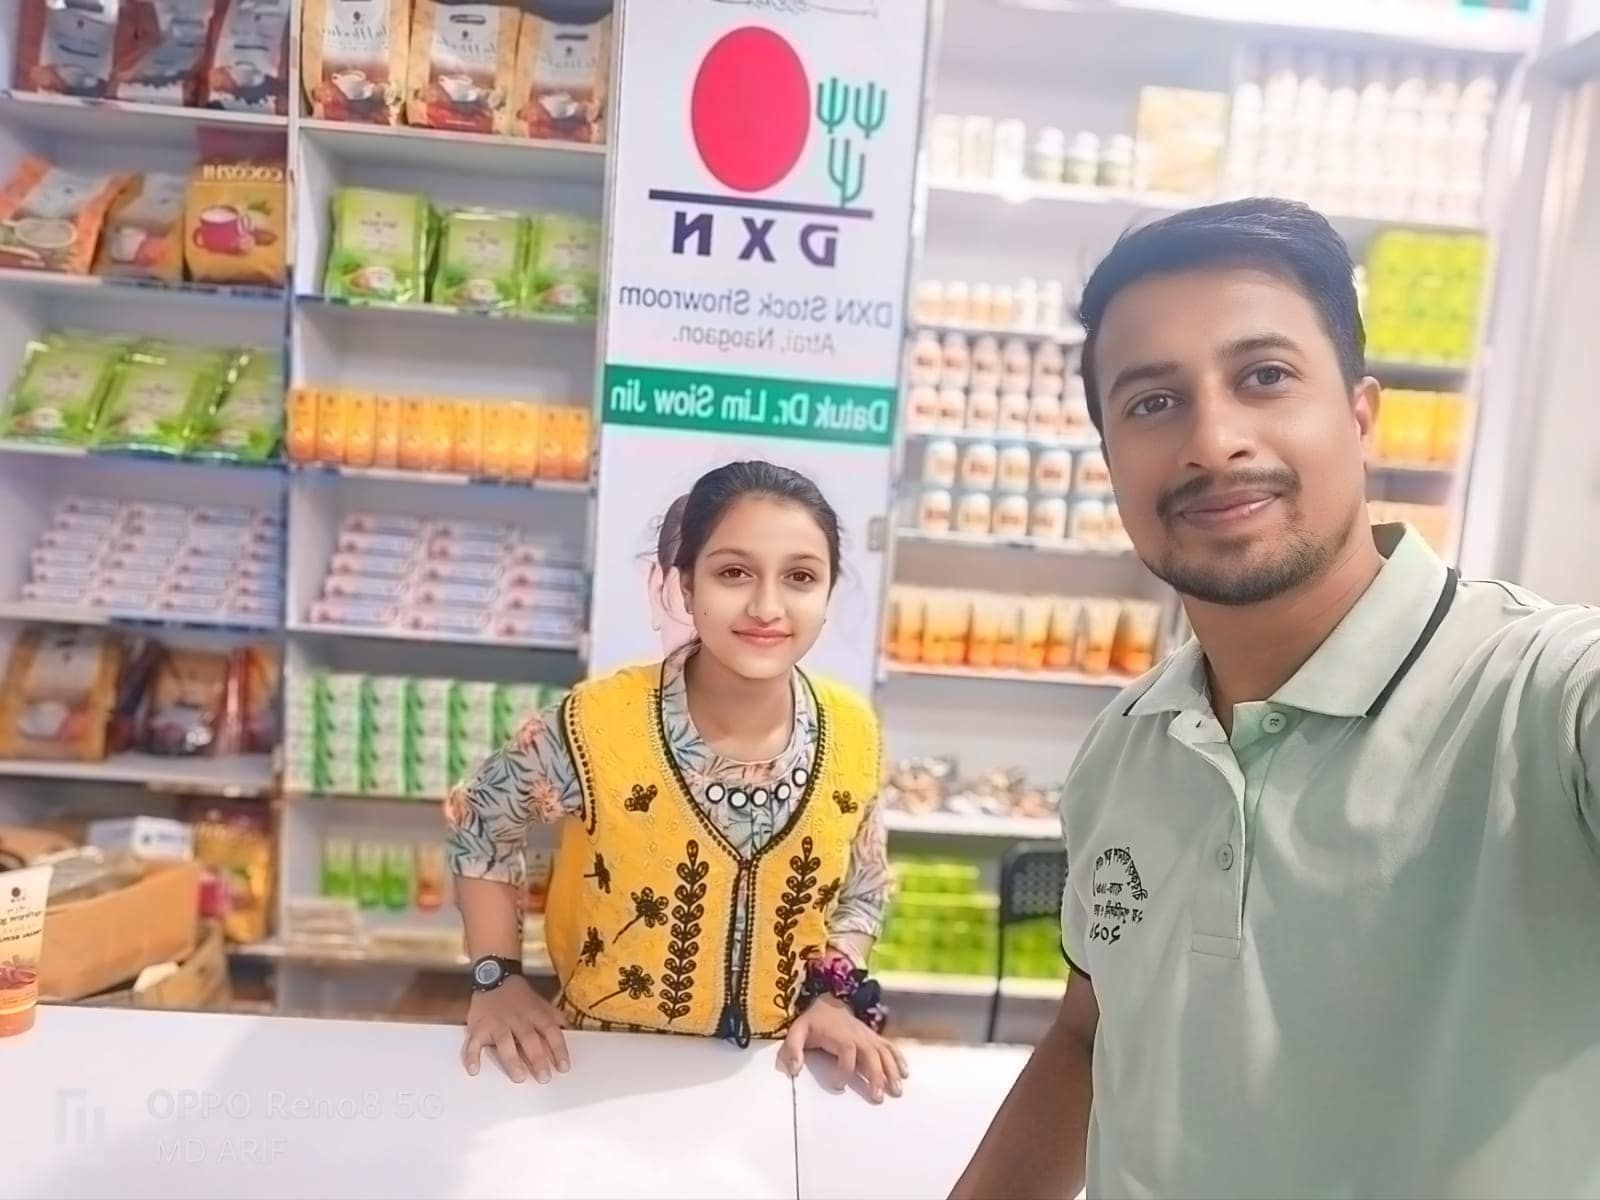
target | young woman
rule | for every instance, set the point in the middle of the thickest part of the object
(721, 869)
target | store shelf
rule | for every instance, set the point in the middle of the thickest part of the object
(443, 479)
(1434, 470)
(1577, 62)
(968, 435)
(929, 984)
(1030, 545)
(1430, 376)
(118, 120)
(554, 645)
(379, 309)
(1051, 678)
(972, 825)
(74, 614)
(1073, 336)
(53, 450)
(130, 290)
(438, 150)
(243, 775)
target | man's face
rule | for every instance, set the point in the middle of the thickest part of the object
(1234, 444)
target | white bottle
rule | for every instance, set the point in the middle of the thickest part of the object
(944, 150)
(977, 148)
(1010, 150)
(1052, 306)
(1027, 310)
(1083, 160)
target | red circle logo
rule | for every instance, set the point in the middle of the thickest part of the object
(750, 109)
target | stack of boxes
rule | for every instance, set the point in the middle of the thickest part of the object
(1423, 295)
(397, 736)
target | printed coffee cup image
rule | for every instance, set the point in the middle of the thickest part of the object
(560, 106)
(354, 85)
(45, 233)
(126, 242)
(246, 74)
(375, 280)
(479, 292)
(461, 88)
(223, 229)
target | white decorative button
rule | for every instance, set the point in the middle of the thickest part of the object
(800, 777)
(737, 799)
(715, 793)
(782, 792)
(1275, 722)
(1225, 856)
(759, 797)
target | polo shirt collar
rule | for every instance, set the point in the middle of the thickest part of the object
(1359, 664)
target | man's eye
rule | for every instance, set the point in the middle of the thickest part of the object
(1150, 406)
(1269, 376)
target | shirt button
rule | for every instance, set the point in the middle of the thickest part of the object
(1275, 722)
(1225, 856)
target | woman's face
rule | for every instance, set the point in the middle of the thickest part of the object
(759, 594)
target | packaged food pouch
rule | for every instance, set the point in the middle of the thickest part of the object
(143, 237)
(63, 382)
(563, 274)
(157, 395)
(552, 441)
(66, 48)
(481, 253)
(562, 80)
(359, 428)
(496, 439)
(575, 450)
(303, 406)
(185, 703)
(353, 59)
(248, 65)
(330, 427)
(466, 435)
(50, 218)
(240, 852)
(161, 47)
(246, 424)
(463, 65)
(236, 211)
(522, 426)
(59, 688)
(380, 246)
(386, 431)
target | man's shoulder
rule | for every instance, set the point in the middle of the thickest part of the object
(1119, 723)
(1513, 629)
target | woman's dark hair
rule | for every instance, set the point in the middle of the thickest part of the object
(1287, 238)
(716, 491)
(670, 534)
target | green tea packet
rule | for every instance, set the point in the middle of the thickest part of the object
(380, 246)
(563, 275)
(481, 256)
(246, 423)
(59, 391)
(156, 395)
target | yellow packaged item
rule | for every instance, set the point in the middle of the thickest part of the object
(413, 434)
(524, 429)
(552, 442)
(303, 406)
(360, 429)
(438, 437)
(236, 214)
(386, 431)
(143, 236)
(466, 441)
(330, 428)
(496, 439)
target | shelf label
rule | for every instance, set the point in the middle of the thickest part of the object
(787, 408)
(759, 235)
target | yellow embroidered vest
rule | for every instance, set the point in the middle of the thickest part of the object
(643, 899)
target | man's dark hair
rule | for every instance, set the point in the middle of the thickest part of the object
(1281, 236)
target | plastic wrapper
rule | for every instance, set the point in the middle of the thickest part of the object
(68, 49)
(381, 244)
(156, 396)
(236, 210)
(246, 424)
(143, 236)
(161, 50)
(185, 703)
(238, 850)
(481, 252)
(58, 691)
(353, 59)
(62, 384)
(248, 66)
(463, 65)
(50, 218)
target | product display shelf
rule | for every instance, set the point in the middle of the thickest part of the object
(55, 450)
(315, 953)
(133, 621)
(930, 984)
(239, 776)
(443, 312)
(316, 629)
(557, 487)
(1001, 439)
(431, 149)
(1070, 336)
(972, 825)
(1029, 545)
(1045, 678)
(13, 279)
(123, 119)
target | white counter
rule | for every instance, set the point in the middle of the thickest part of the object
(107, 1102)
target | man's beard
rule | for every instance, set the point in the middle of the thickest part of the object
(1225, 581)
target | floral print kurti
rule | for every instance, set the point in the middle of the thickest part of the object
(533, 779)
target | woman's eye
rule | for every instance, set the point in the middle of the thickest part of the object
(803, 578)
(1150, 406)
(733, 573)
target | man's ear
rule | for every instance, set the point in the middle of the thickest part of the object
(1364, 403)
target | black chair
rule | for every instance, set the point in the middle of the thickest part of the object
(1032, 879)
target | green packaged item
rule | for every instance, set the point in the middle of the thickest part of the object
(157, 394)
(380, 246)
(370, 864)
(62, 384)
(246, 424)
(481, 254)
(563, 276)
(399, 871)
(338, 869)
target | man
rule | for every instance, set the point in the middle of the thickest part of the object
(1334, 895)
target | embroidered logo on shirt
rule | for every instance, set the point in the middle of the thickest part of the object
(641, 798)
(1119, 895)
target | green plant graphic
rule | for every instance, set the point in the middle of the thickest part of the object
(847, 169)
(871, 107)
(833, 103)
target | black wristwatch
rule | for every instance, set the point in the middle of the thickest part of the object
(490, 971)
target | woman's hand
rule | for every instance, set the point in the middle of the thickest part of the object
(521, 1026)
(828, 1024)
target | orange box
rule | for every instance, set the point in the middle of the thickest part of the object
(438, 429)
(524, 428)
(359, 428)
(580, 439)
(552, 442)
(104, 940)
(386, 431)
(413, 434)
(330, 428)
(496, 439)
(466, 442)
(303, 404)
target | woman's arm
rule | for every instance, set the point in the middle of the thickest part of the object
(857, 920)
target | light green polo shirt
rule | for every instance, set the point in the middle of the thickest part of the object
(1353, 949)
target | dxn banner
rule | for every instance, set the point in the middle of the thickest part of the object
(760, 236)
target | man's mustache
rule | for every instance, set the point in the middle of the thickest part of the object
(1279, 480)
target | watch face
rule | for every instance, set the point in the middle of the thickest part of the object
(487, 972)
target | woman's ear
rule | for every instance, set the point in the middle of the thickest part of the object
(686, 588)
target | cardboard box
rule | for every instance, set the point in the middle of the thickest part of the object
(98, 943)
(22, 845)
(198, 983)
